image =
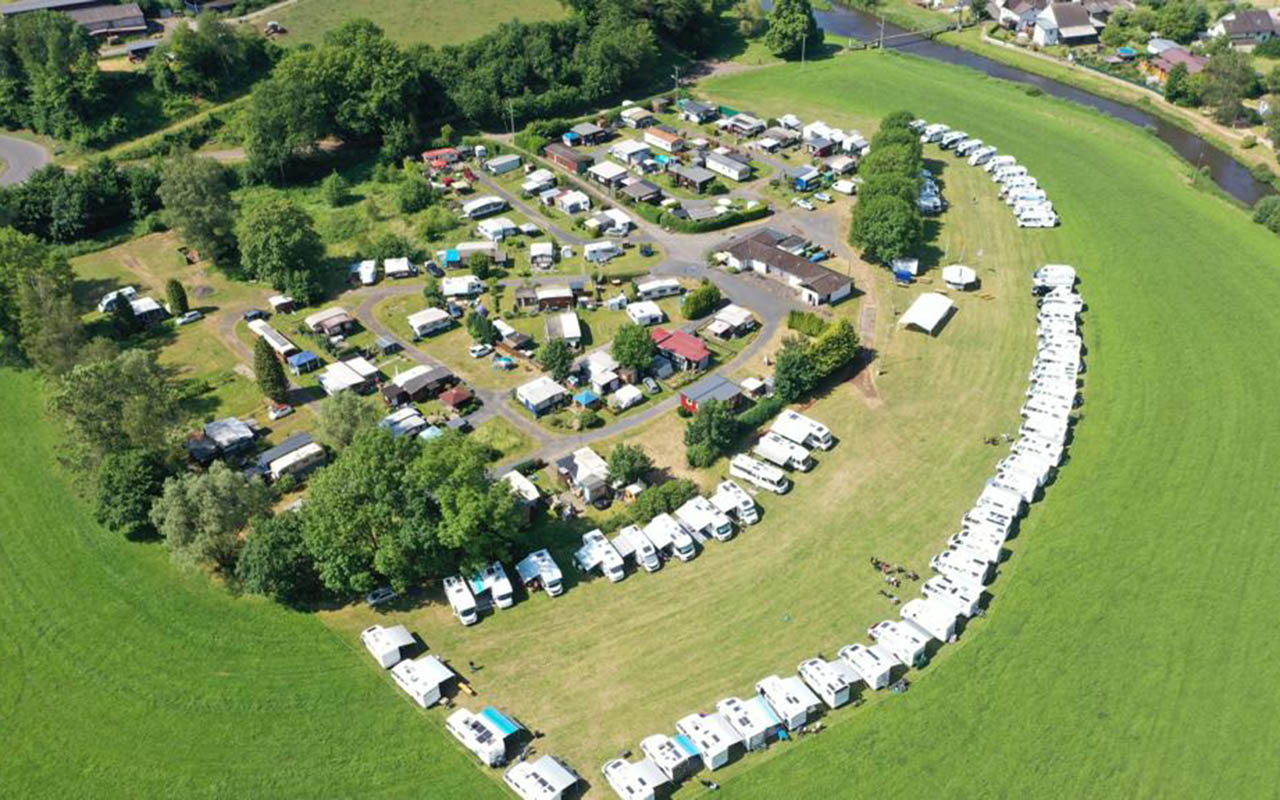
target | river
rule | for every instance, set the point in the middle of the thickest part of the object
(1232, 176)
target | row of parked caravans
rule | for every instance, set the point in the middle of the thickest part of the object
(955, 593)
(1031, 205)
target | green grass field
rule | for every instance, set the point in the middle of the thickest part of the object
(433, 22)
(1125, 654)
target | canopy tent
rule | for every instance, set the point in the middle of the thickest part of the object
(959, 277)
(928, 312)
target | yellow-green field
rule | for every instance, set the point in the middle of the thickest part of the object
(433, 22)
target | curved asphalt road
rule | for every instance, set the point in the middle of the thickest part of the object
(22, 158)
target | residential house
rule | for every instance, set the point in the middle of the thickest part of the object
(483, 206)
(441, 157)
(645, 312)
(586, 472)
(745, 125)
(785, 137)
(695, 112)
(541, 395)
(642, 191)
(815, 283)
(456, 397)
(567, 158)
(601, 369)
(607, 173)
(512, 338)
(713, 387)
(1065, 23)
(664, 138)
(684, 350)
(655, 288)
(542, 255)
(1245, 28)
(804, 178)
(735, 168)
(570, 201)
(841, 165)
(731, 321)
(631, 151)
(1160, 66)
(601, 251)
(696, 178)
(1016, 15)
(564, 325)
(495, 229)
(526, 298)
(637, 117)
(554, 297)
(110, 20)
(417, 383)
(586, 133)
(537, 182)
(819, 147)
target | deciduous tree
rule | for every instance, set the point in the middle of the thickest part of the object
(200, 516)
(177, 296)
(197, 201)
(275, 561)
(633, 347)
(792, 28)
(279, 244)
(128, 483)
(345, 415)
(629, 463)
(557, 358)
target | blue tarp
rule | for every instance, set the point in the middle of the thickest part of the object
(452, 257)
(304, 361)
(686, 745)
(903, 276)
(571, 137)
(500, 720)
(586, 398)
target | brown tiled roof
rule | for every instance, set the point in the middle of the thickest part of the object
(760, 247)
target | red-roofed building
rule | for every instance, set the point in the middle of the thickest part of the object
(684, 350)
(456, 397)
(1163, 64)
(441, 157)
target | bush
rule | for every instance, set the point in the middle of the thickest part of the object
(761, 412)
(414, 195)
(1248, 141)
(701, 301)
(1262, 173)
(806, 322)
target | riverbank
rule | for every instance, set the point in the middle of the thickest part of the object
(1112, 88)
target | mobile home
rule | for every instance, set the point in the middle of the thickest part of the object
(635, 780)
(713, 737)
(732, 499)
(802, 430)
(757, 473)
(873, 664)
(961, 597)
(829, 680)
(789, 698)
(298, 461)
(386, 645)
(544, 779)
(483, 206)
(700, 516)
(423, 679)
(934, 618)
(676, 758)
(783, 452)
(670, 537)
(596, 551)
(540, 569)
(484, 734)
(752, 718)
(902, 640)
(461, 600)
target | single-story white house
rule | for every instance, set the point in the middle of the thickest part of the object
(601, 251)
(495, 229)
(541, 394)
(630, 151)
(607, 173)
(542, 254)
(730, 168)
(657, 287)
(565, 326)
(645, 312)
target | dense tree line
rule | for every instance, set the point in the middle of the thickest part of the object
(62, 206)
(886, 222)
(49, 78)
(209, 58)
(792, 29)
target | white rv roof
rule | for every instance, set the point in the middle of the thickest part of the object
(539, 390)
(787, 695)
(384, 640)
(541, 779)
(539, 564)
(930, 616)
(750, 718)
(522, 486)
(758, 468)
(657, 284)
(869, 662)
(663, 751)
(597, 551)
(459, 596)
(426, 674)
(634, 779)
(710, 733)
(818, 673)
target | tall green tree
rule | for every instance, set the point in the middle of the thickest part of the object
(795, 374)
(121, 403)
(52, 333)
(24, 259)
(53, 83)
(557, 358)
(177, 296)
(279, 244)
(197, 200)
(835, 348)
(124, 322)
(1181, 20)
(1226, 80)
(1178, 88)
(275, 561)
(886, 227)
(792, 28)
(128, 483)
(633, 347)
(335, 188)
(209, 57)
(701, 301)
(345, 415)
(629, 463)
(201, 516)
(269, 372)
(481, 328)
(710, 434)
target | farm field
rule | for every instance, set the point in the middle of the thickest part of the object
(1114, 661)
(433, 22)
(1117, 661)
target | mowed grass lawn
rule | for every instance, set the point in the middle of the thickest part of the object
(433, 22)
(1124, 655)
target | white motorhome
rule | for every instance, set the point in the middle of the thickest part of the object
(386, 645)
(789, 698)
(873, 664)
(1026, 195)
(782, 452)
(493, 579)
(757, 473)
(1008, 172)
(539, 568)
(423, 679)
(961, 566)
(934, 618)
(802, 430)
(952, 138)
(676, 759)
(962, 597)
(634, 780)
(701, 517)
(732, 499)
(754, 721)
(461, 600)
(982, 156)
(903, 641)
(830, 680)
(479, 736)
(998, 162)
(713, 737)
(631, 541)
(1014, 184)
(596, 551)
(1037, 219)
(670, 537)
(483, 206)
(933, 132)
(968, 147)
(544, 779)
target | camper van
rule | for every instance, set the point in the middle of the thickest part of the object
(952, 138)
(480, 735)
(1008, 172)
(902, 640)
(631, 541)
(789, 698)
(935, 619)
(982, 156)
(917, 125)
(675, 757)
(999, 162)
(461, 600)
(1026, 195)
(933, 132)
(1037, 219)
(422, 679)
(635, 780)
(829, 680)
(699, 516)
(732, 499)
(961, 566)
(873, 664)
(596, 551)
(783, 452)
(493, 579)
(712, 736)
(754, 721)
(965, 148)
(963, 598)
(757, 473)
(386, 645)
(1014, 184)
(540, 569)
(670, 537)
(802, 430)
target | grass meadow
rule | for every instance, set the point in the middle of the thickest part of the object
(433, 22)
(1125, 654)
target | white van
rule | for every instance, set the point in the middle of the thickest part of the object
(997, 162)
(733, 499)
(700, 516)
(670, 537)
(757, 473)
(783, 452)
(461, 599)
(982, 156)
(1014, 184)
(1038, 219)
(967, 146)
(1026, 195)
(631, 541)
(952, 138)
(934, 132)
(1006, 173)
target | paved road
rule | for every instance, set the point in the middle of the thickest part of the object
(22, 158)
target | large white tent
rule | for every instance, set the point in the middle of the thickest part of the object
(959, 277)
(928, 312)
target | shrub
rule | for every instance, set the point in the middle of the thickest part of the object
(761, 412)
(806, 322)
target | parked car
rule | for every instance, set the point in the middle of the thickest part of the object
(188, 318)
(279, 411)
(434, 270)
(651, 385)
(823, 196)
(381, 595)
(254, 313)
(479, 350)
(803, 203)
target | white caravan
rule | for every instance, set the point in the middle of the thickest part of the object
(670, 537)
(757, 473)
(783, 452)
(597, 552)
(902, 640)
(934, 618)
(962, 597)
(789, 698)
(802, 430)
(701, 517)
(873, 664)
(732, 499)
(631, 541)
(422, 679)
(461, 600)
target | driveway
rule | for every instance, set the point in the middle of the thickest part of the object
(22, 158)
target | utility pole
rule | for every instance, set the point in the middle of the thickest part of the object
(804, 37)
(676, 76)
(881, 45)
(511, 114)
